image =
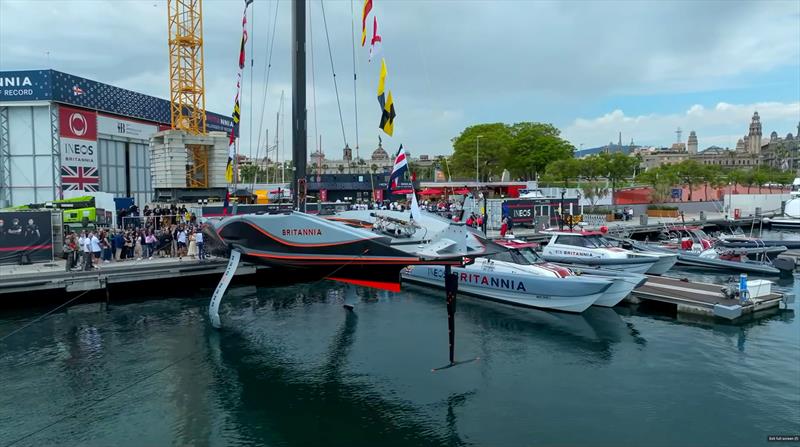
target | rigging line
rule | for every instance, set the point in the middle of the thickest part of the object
(160, 370)
(313, 79)
(263, 105)
(267, 71)
(335, 85)
(355, 69)
(252, 61)
(43, 315)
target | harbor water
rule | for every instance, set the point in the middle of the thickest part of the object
(292, 367)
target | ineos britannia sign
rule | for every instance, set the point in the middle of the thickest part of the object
(78, 130)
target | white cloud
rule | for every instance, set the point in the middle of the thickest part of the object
(451, 64)
(720, 125)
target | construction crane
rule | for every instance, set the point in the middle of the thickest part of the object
(187, 84)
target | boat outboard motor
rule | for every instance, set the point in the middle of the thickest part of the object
(785, 265)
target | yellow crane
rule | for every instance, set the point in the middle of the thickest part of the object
(186, 82)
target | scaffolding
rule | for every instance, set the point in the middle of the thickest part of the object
(187, 84)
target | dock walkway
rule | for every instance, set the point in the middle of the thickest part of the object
(53, 276)
(702, 298)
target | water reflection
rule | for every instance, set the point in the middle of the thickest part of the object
(595, 330)
(275, 402)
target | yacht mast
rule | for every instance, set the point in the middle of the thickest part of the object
(299, 131)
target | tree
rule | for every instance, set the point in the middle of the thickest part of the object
(340, 168)
(592, 168)
(563, 170)
(533, 147)
(661, 179)
(619, 167)
(711, 175)
(524, 149)
(494, 142)
(249, 173)
(690, 173)
(737, 177)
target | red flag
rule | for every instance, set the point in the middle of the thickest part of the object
(244, 38)
(367, 8)
(376, 38)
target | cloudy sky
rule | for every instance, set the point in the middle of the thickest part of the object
(592, 68)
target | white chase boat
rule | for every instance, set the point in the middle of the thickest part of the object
(522, 278)
(588, 248)
(624, 282)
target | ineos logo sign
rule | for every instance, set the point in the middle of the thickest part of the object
(78, 124)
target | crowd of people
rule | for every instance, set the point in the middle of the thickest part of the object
(162, 236)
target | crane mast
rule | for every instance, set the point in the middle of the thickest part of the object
(187, 83)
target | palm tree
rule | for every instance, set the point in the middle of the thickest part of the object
(340, 168)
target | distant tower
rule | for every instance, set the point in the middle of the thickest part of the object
(754, 136)
(347, 153)
(679, 133)
(740, 147)
(620, 140)
(691, 145)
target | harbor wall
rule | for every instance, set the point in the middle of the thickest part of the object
(747, 203)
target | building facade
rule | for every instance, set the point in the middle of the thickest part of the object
(60, 132)
(751, 151)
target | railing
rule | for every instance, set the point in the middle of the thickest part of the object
(153, 221)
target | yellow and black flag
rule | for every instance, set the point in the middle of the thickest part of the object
(387, 104)
(387, 116)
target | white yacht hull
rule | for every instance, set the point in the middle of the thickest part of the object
(663, 264)
(551, 293)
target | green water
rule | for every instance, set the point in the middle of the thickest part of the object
(292, 368)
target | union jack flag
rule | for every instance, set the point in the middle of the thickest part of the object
(79, 178)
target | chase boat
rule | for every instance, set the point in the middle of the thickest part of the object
(589, 249)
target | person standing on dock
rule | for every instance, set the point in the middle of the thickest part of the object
(86, 245)
(94, 243)
(198, 239)
(181, 242)
(119, 245)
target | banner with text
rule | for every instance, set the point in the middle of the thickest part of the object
(78, 130)
(118, 127)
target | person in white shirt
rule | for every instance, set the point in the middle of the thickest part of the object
(198, 239)
(181, 242)
(95, 246)
(86, 246)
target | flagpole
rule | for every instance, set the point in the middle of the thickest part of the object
(252, 61)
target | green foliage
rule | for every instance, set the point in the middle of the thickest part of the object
(662, 179)
(594, 191)
(247, 173)
(662, 207)
(525, 149)
(618, 167)
(533, 147)
(563, 171)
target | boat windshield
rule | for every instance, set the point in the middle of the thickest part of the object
(701, 234)
(516, 256)
(598, 242)
(531, 256)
